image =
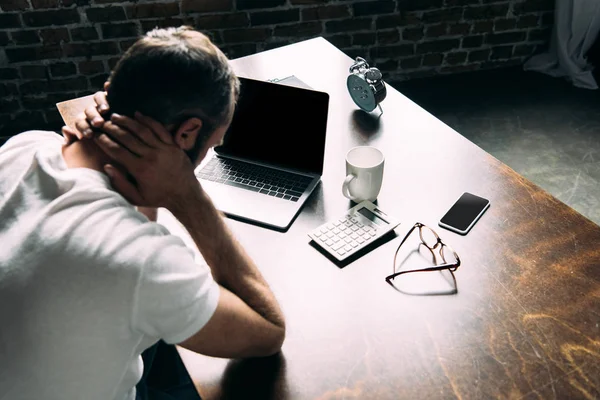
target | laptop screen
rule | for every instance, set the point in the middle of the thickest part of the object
(278, 125)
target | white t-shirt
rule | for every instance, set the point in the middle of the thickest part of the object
(86, 282)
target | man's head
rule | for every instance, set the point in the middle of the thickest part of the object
(179, 78)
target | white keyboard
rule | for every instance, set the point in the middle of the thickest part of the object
(359, 227)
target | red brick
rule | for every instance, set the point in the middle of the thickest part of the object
(373, 7)
(208, 5)
(393, 51)
(460, 29)
(364, 39)
(8, 89)
(239, 50)
(412, 5)
(152, 10)
(486, 11)
(501, 52)
(111, 31)
(34, 72)
(84, 33)
(325, 12)
(413, 34)
(14, 5)
(126, 44)
(483, 26)
(248, 4)
(388, 66)
(437, 46)
(105, 14)
(11, 20)
(51, 17)
(356, 24)
(9, 105)
(528, 6)
(505, 24)
(539, 35)
(41, 4)
(472, 41)
(97, 81)
(33, 53)
(246, 35)
(25, 37)
(304, 29)
(91, 67)
(397, 20)
(388, 37)
(112, 62)
(528, 21)
(274, 17)
(460, 68)
(63, 69)
(502, 38)
(432, 60)
(63, 85)
(4, 40)
(479, 55)
(523, 50)
(456, 57)
(90, 49)
(339, 40)
(436, 30)
(220, 21)
(443, 15)
(9, 73)
(55, 35)
(34, 87)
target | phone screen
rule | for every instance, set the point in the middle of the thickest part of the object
(464, 211)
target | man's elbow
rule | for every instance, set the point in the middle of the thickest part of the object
(274, 343)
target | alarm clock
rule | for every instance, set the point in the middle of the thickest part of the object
(366, 86)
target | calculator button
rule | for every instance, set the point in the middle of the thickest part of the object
(372, 233)
(366, 237)
(354, 236)
(330, 235)
(354, 228)
(336, 223)
(330, 226)
(353, 220)
(342, 235)
(329, 242)
(348, 247)
(348, 240)
(341, 252)
(354, 243)
(348, 223)
(336, 231)
(360, 240)
(360, 224)
(335, 239)
(324, 229)
(338, 246)
(318, 233)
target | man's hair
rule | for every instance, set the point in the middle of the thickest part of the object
(171, 75)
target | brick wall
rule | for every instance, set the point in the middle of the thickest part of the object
(53, 50)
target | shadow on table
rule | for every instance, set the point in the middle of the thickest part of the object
(423, 283)
(367, 123)
(256, 378)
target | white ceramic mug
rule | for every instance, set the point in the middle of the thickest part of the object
(364, 173)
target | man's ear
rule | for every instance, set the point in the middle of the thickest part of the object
(187, 133)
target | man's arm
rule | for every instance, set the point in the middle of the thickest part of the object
(248, 321)
(245, 296)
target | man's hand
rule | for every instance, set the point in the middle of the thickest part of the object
(164, 175)
(89, 119)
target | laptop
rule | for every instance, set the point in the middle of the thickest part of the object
(272, 156)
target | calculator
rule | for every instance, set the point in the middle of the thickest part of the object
(359, 227)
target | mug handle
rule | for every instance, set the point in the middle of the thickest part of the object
(345, 190)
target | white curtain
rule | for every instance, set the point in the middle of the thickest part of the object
(576, 28)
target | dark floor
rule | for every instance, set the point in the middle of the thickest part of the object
(542, 127)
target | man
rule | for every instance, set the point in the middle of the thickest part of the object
(87, 283)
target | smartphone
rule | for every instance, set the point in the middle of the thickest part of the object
(461, 217)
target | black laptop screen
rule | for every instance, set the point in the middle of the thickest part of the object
(278, 124)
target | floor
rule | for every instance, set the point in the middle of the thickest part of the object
(542, 127)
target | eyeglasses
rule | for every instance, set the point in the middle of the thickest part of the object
(431, 240)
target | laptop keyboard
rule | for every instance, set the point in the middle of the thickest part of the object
(268, 181)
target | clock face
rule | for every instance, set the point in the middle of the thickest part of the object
(361, 93)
